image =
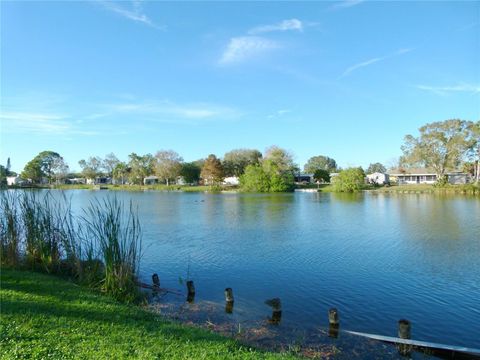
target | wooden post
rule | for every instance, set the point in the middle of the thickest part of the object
(404, 332)
(334, 323)
(333, 317)
(276, 306)
(156, 281)
(191, 291)
(228, 295)
(229, 300)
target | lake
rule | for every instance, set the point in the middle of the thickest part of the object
(376, 257)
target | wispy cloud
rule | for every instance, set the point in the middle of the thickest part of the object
(245, 47)
(134, 13)
(445, 90)
(346, 4)
(372, 61)
(39, 123)
(167, 111)
(285, 25)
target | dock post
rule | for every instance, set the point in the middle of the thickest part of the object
(404, 332)
(229, 300)
(156, 282)
(276, 306)
(334, 322)
(191, 291)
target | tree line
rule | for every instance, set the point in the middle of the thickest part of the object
(441, 146)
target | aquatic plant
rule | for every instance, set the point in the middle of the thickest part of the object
(116, 233)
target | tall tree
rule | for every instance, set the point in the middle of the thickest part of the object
(320, 162)
(41, 166)
(475, 152)
(235, 161)
(441, 146)
(140, 166)
(190, 172)
(60, 169)
(282, 158)
(8, 167)
(168, 165)
(91, 167)
(212, 171)
(120, 172)
(322, 175)
(33, 171)
(109, 164)
(376, 167)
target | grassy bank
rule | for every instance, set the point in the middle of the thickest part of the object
(468, 189)
(46, 317)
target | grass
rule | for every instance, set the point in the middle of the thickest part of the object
(44, 316)
(470, 189)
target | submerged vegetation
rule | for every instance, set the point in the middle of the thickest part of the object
(100, 248)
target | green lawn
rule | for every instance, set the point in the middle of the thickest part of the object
(44, 316)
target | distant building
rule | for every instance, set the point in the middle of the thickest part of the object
(76, 181)
(426, 176)
(378, 178)
(231, 180)
(150, 180)
(14, 180)
(304, 178)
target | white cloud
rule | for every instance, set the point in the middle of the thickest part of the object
(136, 12)
(246, 47)
(346, 4)
(444, 90)
(285, 25)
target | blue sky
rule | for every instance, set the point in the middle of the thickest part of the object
(343, 79)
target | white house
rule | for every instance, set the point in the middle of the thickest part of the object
(14, 180)
(426, 176)
(378, 178)
(150, 180)
(231, 180)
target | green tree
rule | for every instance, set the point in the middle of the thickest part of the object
(320, 162)
(109, 164)
(475, 151)
(376, 167)
(60, 170)
(349, 180)
(235, 161)
(8, 167)
(266, 177)
(190, 172)
(33, 171)
(255, 179)
(441, 146)
(3, 176)
(322, 175)
(168, 165)
(212, 171)
(91, 167)
(120, 172)
(140, 166)
(282, 158)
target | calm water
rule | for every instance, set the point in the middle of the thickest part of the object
(376, 257)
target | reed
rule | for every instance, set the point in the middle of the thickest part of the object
(116, 234)
(100, 249)
(10, 229)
